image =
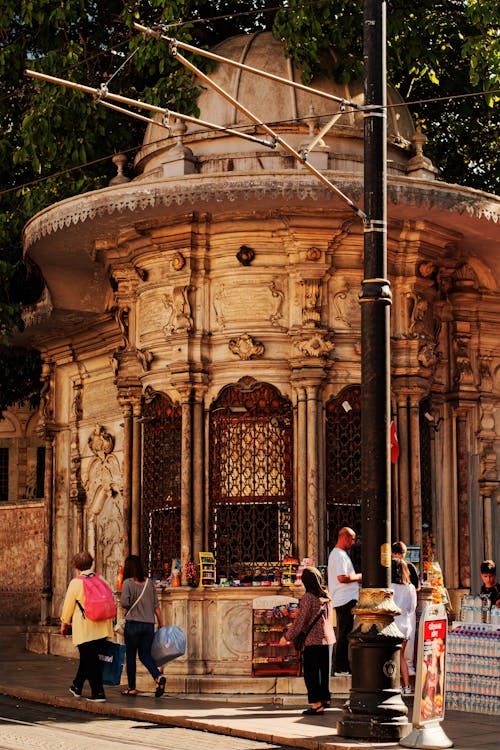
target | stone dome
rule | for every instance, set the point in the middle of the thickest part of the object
(293, 113)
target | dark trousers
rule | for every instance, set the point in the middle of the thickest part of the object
(90, 667)
(345, 620)
(138, 640)
(316, 668)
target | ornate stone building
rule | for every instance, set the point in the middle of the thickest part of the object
(200, 332)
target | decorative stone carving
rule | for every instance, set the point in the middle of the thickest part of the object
(318, 345)
(245, 347)
(218, 300)
(346, 307)
(122, 318)
(279, 296)
(427, 270)
(463, 367)
(120, 161)
(145, 358)
(46, 392)
(245, 255)
(178, 262)
(485, 375)
(311, 311)
(76, 406)
(179, 311)
(101, 442)
(313, 253)
(465, 277)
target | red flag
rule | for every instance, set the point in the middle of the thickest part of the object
(394, 444)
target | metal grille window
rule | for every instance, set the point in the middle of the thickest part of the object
(343, 463)
(4, 474)
(161, 485)
(251, 438)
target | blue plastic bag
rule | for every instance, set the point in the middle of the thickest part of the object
(111, 657)
(169, 642)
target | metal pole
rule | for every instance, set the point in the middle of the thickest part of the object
(375, 709)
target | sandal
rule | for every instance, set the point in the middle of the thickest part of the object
(314, 711)
(129, 691)
(160, 686)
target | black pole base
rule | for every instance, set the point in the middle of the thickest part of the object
(375, 709)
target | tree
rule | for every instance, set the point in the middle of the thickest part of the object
(58, 143)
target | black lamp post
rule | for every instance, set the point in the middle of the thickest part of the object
(375, 709)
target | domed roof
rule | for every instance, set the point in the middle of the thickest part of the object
(274, 102)
(288, 110)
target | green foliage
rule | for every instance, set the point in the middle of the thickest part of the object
(57, 142)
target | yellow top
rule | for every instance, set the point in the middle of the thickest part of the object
(83, 629)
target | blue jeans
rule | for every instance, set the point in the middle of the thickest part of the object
(138, 640)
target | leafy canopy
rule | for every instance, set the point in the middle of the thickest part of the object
(56, 142)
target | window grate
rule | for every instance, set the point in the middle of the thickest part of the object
(251, 438)
(4, 475)
(161, 485)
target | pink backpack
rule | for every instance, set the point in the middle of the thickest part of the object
(99, 603)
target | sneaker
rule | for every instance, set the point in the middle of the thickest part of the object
(405, 690)
(341, 674)
(101, 698)
(75, 691)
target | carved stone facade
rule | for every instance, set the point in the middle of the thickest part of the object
(160, 309)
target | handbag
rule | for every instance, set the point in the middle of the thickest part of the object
(300, 639)
(120, 625)
(111, 656)
(169, 642)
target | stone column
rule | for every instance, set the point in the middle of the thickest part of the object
(312, 472)
(48, 511)
(463, 500)
(300, 458)
(415, 485)
(404, 470)
(198, 474)
(135, 494)
(186, 483)
(127, 478)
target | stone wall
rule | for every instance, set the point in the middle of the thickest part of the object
(21, 561)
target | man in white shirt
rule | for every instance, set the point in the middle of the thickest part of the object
(343, 585)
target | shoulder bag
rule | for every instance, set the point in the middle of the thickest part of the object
(299, 641)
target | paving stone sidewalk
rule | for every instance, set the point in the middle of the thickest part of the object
(46, 679)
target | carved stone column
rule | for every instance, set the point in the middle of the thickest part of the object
(48, 514)
(404, 470)
(135, 494)
(186, 483)
(127, 477)
(463, 500)
(301, 474)
(312, 471)
(415, 483)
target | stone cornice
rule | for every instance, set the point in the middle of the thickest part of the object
(223, 191)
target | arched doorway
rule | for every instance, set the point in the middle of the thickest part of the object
(250, 506)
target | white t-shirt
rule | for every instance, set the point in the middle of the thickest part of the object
(340, 564)
(405, 597)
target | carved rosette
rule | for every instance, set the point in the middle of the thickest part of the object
(319, 345)
(245, 347)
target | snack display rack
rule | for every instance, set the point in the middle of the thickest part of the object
(271, 617)
(207, 569)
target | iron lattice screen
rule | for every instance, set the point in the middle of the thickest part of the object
(251, 438)
(343, 463)
(161, 484)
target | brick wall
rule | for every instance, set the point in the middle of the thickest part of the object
(21, 562)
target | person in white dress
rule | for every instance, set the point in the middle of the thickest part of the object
(405, 597)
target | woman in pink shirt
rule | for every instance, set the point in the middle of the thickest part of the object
(316, 663)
